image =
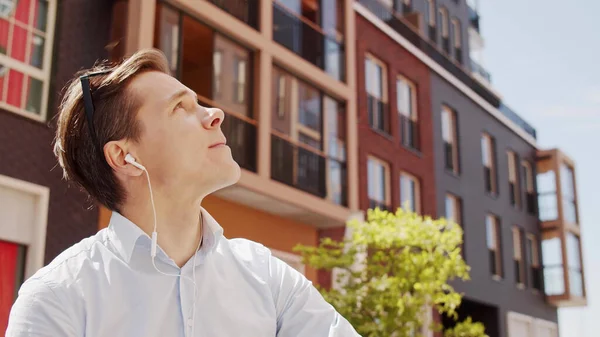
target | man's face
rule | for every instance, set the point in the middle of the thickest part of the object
(181, 143)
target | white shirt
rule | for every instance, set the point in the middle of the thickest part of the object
(106, 285)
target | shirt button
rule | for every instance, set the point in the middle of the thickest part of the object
(190, 322)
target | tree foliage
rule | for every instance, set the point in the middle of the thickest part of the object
(391, 269)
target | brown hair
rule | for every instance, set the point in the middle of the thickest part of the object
(115, 111)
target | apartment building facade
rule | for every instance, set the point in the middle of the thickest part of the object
(521, 239)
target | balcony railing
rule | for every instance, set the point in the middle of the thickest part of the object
(479, 70)
(506, 111)
(309, 41)
(304, 168)
(473, 18)
(240, 132)
(244, 10)
(378, 114)
(403, 28)
(373, 204)
(409, 133)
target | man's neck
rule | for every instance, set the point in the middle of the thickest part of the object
(179, 225)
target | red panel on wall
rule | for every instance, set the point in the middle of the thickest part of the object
(9, 253)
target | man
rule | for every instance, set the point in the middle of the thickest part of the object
(138, 142)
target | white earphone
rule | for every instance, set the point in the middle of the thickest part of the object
(131, 160)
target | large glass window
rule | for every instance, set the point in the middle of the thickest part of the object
(26, 30)
(567, 180)
(554, 282)
(450, 136)
(409, 192)
(574, 263)
(493, 244)
(378, 182)
(547, 201)
(488, 154)
(375, 83)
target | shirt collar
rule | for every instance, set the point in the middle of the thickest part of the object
(124, 234)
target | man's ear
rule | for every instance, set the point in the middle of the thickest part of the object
(114, 153)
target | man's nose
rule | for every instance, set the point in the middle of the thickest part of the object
(213, 118)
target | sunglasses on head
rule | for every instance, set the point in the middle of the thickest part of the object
(88, 103)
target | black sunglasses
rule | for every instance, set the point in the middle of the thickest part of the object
(88, 103)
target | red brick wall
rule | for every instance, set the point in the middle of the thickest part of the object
(82, 32)
(389, 148)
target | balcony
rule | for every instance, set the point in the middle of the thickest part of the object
(404, 28)
(473, 18)
(563, 269)
(307, 40)
(409, 133)
(510, 114)
(305, 168)
(244, 10)
(478, 70)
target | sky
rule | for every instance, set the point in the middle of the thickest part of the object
(543, 57)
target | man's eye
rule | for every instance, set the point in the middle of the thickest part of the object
(178, 106)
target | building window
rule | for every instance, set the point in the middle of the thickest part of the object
(569, 201)
(494, 245)
(376, 84)
(168, 36)
(554, 277)
(26, 35)
(454, 214)
(239, 81)
(430, 19)
(378, 175)
(513, 187)
(518, 256)
(453, 209)
(488, 153)
(217, 70)
(335, 137)
(527, 186)
(450, 136)
(547, 200)
(410, 193)
(574, 264)
(12, 275)
(533, 262)
(281, 95)
(406, 6)
(407, 109)
(445, 29)
(456, 36)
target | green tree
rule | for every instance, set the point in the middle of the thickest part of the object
(391, 269)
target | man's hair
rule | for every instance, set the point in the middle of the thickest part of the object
(79, 153)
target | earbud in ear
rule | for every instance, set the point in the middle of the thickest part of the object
(129, 158)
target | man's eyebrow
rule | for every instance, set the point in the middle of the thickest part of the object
(180, 94)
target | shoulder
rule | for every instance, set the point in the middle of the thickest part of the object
(66, 268)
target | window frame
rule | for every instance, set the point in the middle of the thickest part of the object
(453, 132)
(417, 192)
(491, 157)
(457, 34)
(517, 237)
(384, 93)
(495, 224)
(42, 74)
(387, 180)
(444, 15)
(413, 113)
(513, 177)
